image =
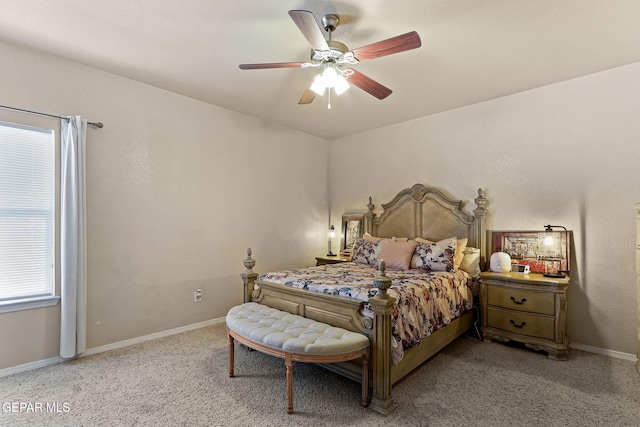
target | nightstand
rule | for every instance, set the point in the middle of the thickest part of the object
(528, 308)
(322, 260)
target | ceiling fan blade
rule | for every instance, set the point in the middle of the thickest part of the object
(307, 97)
(390, 46)
(272, 65)
(309, 28)
(369, 85)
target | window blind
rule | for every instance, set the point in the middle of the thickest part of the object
(27, 206)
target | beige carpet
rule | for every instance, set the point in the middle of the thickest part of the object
(182, 381)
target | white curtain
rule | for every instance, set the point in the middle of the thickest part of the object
(73, 268)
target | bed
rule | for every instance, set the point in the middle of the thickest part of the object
(419, 212)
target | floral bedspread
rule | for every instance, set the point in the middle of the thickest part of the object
(425, 301)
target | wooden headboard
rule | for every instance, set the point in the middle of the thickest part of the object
(427, 212)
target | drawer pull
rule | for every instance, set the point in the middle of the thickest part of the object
(521, 325)
(518, 302)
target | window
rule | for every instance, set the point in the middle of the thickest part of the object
(27, 213)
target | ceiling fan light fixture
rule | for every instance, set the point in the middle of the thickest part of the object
(330, 75)
(318, 85)
(340, 85)
(330, 78)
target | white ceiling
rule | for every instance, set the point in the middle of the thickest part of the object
(472, 50)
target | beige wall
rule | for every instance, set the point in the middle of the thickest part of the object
(176, 192)
(177, 189)
(565, 154)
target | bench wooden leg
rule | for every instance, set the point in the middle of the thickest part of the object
(231, 355)
(288, 362)
(365, 378)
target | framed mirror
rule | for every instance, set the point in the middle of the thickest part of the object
(352, 228)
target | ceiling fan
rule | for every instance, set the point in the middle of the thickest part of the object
(333, 58)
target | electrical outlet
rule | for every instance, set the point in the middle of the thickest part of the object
(197, 295)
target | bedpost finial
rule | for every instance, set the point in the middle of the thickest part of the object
(382, 266)
(368, 223)
(481, 203)
(370, 205)
(382, 282)
(251, 293)
(249, 262)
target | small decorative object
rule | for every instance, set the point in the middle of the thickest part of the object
(520, 268)
(500, 262)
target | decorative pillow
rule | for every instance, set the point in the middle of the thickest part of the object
(397, 255)
(471, 261)
(369, 238)
(461, 244)
(367, 252)
(436, 256)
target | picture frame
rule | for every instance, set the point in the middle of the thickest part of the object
(352, 228)
(545, 252)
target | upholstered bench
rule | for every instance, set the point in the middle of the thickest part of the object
(295, 339)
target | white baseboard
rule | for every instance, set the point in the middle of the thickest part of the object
(29, 366)
(605, 352)
(54, 360)
(156, 335)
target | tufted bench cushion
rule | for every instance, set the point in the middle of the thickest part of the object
(294, 338)
(290, 332)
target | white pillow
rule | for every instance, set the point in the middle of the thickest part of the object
(471, 261)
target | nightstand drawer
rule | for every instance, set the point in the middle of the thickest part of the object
(521, 323)
(522, 300)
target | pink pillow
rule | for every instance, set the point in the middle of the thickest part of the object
(397, 255)
(369, 238)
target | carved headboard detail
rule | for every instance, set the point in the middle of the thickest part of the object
(429, 213)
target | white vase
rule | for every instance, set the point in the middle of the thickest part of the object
(500, 262)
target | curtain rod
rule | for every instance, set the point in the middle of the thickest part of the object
(94, 124)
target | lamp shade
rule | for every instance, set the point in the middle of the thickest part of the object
(562, 250)
(331, 234)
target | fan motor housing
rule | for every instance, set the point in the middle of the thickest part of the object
(330, 22)
(336, 52)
